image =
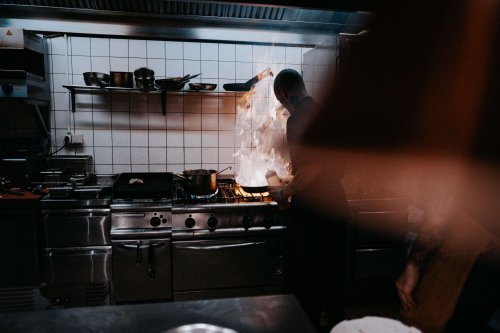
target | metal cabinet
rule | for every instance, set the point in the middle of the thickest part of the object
(76, 265)
(376, 251)
(19, 254)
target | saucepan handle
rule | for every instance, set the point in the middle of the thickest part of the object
(229, 167)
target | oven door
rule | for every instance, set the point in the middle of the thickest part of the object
(142, 270)
(226, 263)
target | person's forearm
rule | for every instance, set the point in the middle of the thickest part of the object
(426, 242)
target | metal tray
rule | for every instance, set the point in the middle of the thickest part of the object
(151, 185)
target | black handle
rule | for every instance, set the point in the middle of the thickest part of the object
(138, 254)
(101, 83)
(151, 261)
(163, 102)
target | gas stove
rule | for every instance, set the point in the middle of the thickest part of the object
(228, 210)
(160, 233)
(227, 192)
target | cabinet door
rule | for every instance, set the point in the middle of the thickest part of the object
(142, 270)
(381, 227)
(19, 249)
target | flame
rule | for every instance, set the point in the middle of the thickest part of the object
(265, 73)
(258, 122)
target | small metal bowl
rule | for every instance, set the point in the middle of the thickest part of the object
(200, 328)
(202, 86)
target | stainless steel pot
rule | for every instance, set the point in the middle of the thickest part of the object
(121, 79)
(145, 79)
(200, 181)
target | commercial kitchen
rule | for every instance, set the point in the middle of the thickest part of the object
(137, 143)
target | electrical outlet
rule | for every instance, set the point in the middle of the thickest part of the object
(75, 139)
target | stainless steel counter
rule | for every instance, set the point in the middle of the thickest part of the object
(262, 314)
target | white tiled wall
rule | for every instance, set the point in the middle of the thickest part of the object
(126, 131)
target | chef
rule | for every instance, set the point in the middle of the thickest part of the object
(317, 238)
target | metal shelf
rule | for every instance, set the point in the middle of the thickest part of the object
(163, 92)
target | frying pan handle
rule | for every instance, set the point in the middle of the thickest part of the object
(181, 176)
(229, 167)
(193, 76)
(101, 83)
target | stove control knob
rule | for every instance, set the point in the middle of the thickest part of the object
(212, 222)
(247, 221)
(155, 221)
(190, 222)
(7, 88)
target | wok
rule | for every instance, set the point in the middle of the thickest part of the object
(96, 79)
(175, 83)
(254, 189)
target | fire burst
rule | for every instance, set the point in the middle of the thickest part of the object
(260, 127)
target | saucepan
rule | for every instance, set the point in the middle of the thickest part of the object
(121, 79)
(200, 181)
(145, 79)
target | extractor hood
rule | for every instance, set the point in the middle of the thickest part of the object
(279, 22)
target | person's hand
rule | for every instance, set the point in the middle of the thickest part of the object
(278, 195)
(276, 192)
(406, 284)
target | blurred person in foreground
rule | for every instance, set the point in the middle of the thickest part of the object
(317, 240)
(425, 96)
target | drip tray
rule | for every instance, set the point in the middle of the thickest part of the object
(80, 192)
(88, 192)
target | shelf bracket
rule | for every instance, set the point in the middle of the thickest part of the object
(163, 102)
(72, 94)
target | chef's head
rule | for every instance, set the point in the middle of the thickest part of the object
(289, 88)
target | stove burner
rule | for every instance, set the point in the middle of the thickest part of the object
(228, 191)
(206, 198)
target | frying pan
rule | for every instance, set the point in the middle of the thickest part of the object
(254, 189)
(249, 84)
(171, 83)
(96, 79)
(236, 87)
(175, 83)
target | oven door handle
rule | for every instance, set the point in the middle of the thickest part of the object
(151, 269)
(140, 246)
(219, 247)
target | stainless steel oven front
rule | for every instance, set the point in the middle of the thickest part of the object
(214, 254)
(141, 238)
(76, 256)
